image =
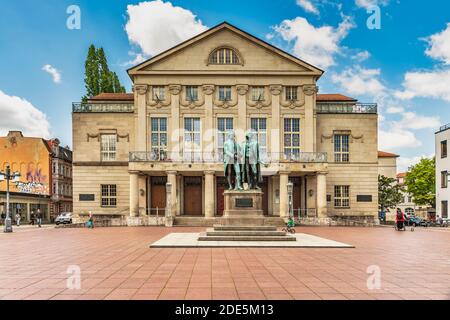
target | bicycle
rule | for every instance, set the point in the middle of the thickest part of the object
(288, 230)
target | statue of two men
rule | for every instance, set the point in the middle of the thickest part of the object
(242, 163)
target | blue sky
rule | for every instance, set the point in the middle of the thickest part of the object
(404, 66)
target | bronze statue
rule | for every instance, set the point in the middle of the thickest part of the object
(251, 171)
(232, 168)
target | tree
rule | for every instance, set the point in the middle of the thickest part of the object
(98, 78)
(389, 193)
(421, 182)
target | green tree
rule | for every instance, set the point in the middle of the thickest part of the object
(421, 182)
(389, 193)
(98, 77)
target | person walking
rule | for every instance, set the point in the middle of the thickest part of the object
(18, 219)
(39, 217)
(90, 223)
(32, 216)
(2, 217)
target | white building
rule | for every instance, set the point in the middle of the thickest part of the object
(442, 138)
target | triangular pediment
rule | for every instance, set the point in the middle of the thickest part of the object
(256, 54)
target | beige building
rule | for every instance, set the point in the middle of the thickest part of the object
(171, 129)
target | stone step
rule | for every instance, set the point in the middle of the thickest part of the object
(244, 228)
(215, 233)
(204, 237)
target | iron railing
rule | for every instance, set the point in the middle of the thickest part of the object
(365, 108)
(81, 107)
(208, 157)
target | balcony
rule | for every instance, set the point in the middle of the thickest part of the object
(348, 108)
(81, 107)
(216, 158)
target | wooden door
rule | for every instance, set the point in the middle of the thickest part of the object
(158, 195)
(221, 186)
(296, 193)
(265, 190)
(193, 196)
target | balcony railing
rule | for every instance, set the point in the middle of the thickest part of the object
(215, 158)
(365, 108)
(81, 107)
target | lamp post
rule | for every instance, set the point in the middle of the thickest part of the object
(7, 175)
(290, 189)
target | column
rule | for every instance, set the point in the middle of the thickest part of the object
(207, 125)
(321, 195)
(284, 179)
(275, 91)
(134, 194)
(309, 124)
(241, 125)
(209, 194)
(174, 125)
(141, 105)
(142, 195)
(172, 179)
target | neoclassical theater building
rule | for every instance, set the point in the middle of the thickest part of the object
(172, 129)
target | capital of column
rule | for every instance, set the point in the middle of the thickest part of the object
(284, 172)
(172, 173)
(310, 89)
(209, 172)
(209, 89)
(242, 89)
(276, 89)
(175, 89)
(141, 89)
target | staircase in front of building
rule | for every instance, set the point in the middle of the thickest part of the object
(182, 221)
(245, 233)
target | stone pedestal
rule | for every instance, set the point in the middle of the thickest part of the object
(243, 207)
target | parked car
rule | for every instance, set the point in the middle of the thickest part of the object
(425, 223)
(413, 220)
(64, 218)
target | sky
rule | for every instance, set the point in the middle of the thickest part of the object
(392, 52)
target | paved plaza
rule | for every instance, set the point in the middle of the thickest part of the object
(117, 263)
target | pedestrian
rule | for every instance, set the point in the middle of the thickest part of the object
(32, 217)
(90, 223)
(18, 219)
(2, 217)
(39, 217)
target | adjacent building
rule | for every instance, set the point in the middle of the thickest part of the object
(442, 138)
(172, 128)
(34, 158)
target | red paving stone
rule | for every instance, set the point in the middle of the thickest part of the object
(116, 263)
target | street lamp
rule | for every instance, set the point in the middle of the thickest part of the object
(7, 175)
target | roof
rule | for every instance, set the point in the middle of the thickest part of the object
(334, 97)
(383, 154)
(113, 97)
(225, 25)
(401, 175)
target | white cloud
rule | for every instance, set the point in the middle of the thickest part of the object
(413, 121)
(361, 56)
(156, 26)
(439, 46)
(428, 84)
(397, 138)
(19, 114)
(360, 81)
(308, 6)
(56, 75)
(138, 58)
(366, 4)
(404, 163)
(317, 46)
(394, 110)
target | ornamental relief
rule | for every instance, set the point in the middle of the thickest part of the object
(192, 104)
(263, 101)
(159, 103)
(227, 103)
(293, 104)
(351, 135)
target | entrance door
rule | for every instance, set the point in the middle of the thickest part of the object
(158, 195)
(193, 196)
(265, 190)
(221, 186)
(296, 193)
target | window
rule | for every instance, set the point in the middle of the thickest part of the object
(159, 93)
(410, 199)
(54, 168)
(409, 211)
(191, 93)
(54, 189)
(109, 195)
(159, 138)
(342, 196)
(291, 138)
(257, 93)
(192, 139)
(341, 148)
(444, 179)
(223, 126)
(224, 56)
(108, 147)
(259, 125)
(291, 93)
(444, 149)
(224, 93)
(444, 209)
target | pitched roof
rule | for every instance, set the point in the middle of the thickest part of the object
(113, 97)
(334, 97)
(225, 25)
(383, 154)
(401, 175)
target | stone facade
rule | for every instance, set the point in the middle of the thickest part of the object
(223, 79)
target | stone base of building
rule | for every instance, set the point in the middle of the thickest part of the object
(341, 221)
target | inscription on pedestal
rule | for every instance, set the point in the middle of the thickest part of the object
(244, 203)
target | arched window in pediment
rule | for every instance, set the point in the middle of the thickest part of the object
(224, 55)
